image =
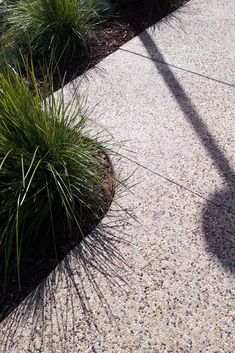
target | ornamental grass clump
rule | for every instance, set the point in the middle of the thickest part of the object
(57, 27)
(50, 173)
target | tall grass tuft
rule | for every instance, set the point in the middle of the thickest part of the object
(49, 170)
(52, 26)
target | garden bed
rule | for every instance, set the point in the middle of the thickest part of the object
(125, 22)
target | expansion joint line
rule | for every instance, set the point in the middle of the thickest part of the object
(178, 67)
(223, 207)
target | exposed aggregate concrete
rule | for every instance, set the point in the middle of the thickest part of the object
(165, 281)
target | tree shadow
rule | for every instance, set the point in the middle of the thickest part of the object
(218, 216)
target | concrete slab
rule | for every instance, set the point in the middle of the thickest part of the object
(176, 124)
(199, 37)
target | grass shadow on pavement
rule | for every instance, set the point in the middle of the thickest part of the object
(61, 307)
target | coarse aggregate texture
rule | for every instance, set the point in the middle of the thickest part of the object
(164, 281)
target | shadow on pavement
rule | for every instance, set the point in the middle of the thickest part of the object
(61, 305)
(219, 227)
